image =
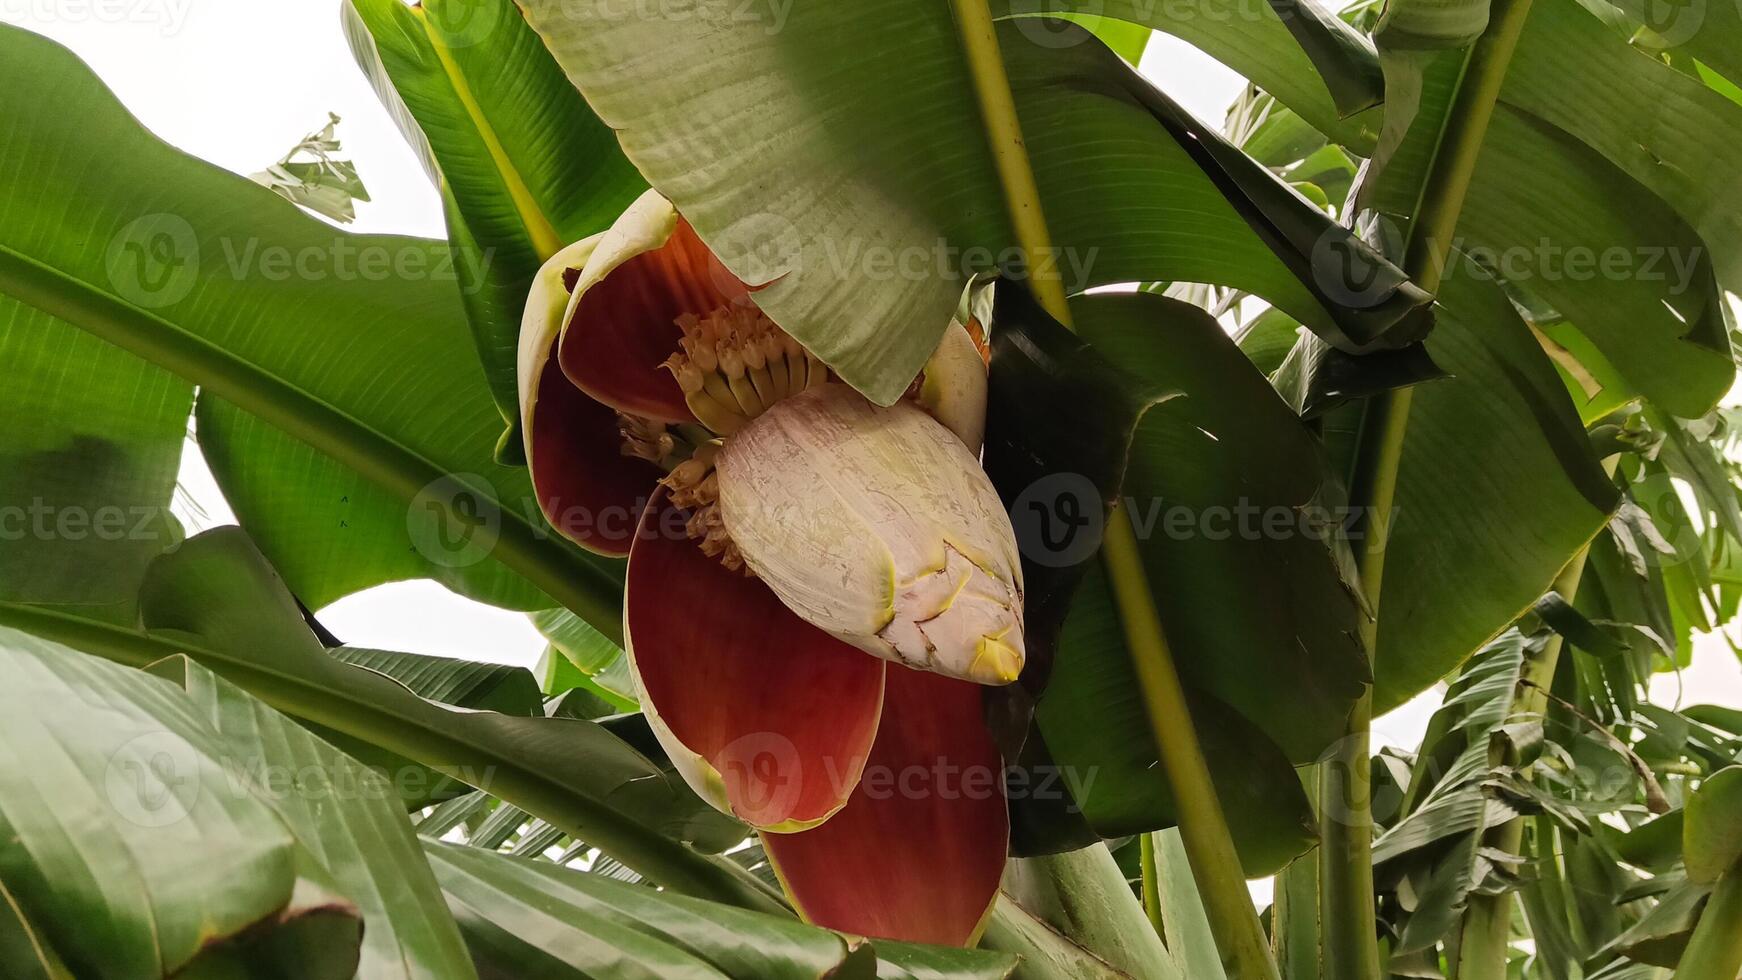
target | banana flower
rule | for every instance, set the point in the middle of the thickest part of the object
(816, 586)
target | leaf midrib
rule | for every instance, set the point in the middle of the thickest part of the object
(545, 240)
(533, 552)
(667, 861)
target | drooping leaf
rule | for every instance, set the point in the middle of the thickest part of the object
(86, 483)
(1637, 280)
(218, 591)
(465, 683)
(128, 848)
(354, 343)
(897, 177)
(461, 683)
(1048, 391)
(1660, 126)
(533, 918)
(347, 816)
(1497, 489)
(1258, 44)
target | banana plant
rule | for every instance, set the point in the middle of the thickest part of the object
(977, 508)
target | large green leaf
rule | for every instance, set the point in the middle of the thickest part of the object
(465, 683)
(1209, 474)
(461, 683)
(85, 485)
(1082, 896)
(1712, 827)
(1665, 129)
(525, 166)
(217, 590)
(1497, 489)
(128, 847)
(346, 816)
(354, 344)
(864, 205)
(217, 601)
(533, 918)
(1582, 232)
(1254, 41)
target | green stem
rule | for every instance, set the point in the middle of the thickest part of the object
(666, 861)
(1715, 950)
(546, 561)
(1346, 898)
(1151, 884)
(1204, 829)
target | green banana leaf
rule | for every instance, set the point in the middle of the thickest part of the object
(217, 590)
(1712, 826)
(217, 601)
(129, 847)
(349, 817)
(354, 345)
(85, 486)
(1498, 487)
(1577, 228)
(1258, 44)
(535, 918)
(524, 166)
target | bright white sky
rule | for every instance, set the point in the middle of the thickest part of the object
(238, 82)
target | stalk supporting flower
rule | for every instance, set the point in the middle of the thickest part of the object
(1347, 901)
(779, 527)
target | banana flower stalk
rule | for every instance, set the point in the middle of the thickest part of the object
(817, 586)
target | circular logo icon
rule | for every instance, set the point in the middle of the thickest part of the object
(764, 777)
(763, 247)
(1058, 520)
(154, 261)
(1039, 23)
(1647, 540)
(463, 23)
(153, 780)
(1675, 22)
(452, 522)
(1352, 272)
